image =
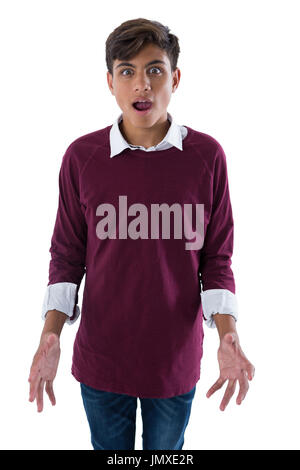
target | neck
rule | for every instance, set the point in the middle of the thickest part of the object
(147, 137)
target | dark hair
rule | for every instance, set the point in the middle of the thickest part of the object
(131, 36)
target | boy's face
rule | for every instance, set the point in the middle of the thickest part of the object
(139, 80)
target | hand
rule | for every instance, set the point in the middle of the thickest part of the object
(233, 366)
(43, 369)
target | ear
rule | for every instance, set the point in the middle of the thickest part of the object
(176, 79)
(109, 79)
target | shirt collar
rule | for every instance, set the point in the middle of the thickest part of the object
(118, 143)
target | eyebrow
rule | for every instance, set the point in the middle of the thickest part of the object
(149, 63)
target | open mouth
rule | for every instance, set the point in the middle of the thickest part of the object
(142, 106)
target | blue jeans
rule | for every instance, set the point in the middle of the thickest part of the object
(112, 416)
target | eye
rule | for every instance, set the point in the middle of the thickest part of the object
(157, 68)
(126, 70)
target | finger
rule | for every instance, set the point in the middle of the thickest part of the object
(250, 371)
(216, 386)
(244, 387)
(39, 398)
(50, 391)
(34, 384)
(228, 394)
(34, 370)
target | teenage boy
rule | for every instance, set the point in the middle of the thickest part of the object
(144, 212)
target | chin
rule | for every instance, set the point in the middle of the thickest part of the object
(141, 121)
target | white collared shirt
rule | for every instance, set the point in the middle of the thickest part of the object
(174, 137)
(61, 296)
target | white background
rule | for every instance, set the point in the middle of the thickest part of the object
(240, 83)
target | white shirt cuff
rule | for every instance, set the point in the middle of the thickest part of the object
(218, 301)
(61, 296)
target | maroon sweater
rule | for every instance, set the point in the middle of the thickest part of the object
(141, 324)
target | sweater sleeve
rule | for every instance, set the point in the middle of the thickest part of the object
(217, 279)
(68, 243)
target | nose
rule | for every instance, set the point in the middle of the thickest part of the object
(142, 82)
